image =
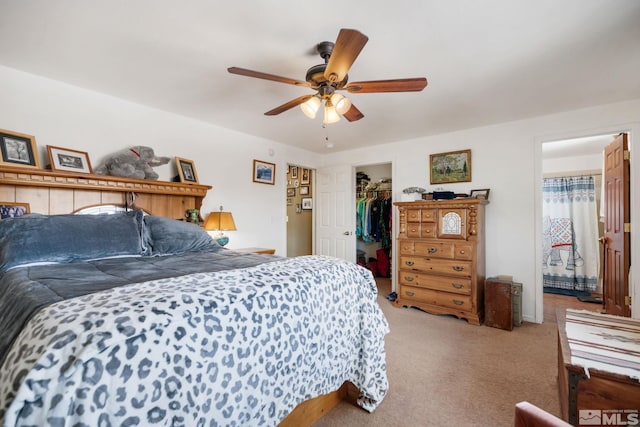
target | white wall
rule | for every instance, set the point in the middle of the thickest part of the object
(66, 116)
(507, 159)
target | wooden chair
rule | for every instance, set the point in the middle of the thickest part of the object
(528, 415)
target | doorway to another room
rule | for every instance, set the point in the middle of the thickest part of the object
(574, 218)
(299, 211)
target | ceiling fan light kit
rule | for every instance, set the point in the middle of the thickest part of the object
(331, 76)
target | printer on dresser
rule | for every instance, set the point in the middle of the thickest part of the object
(441, 257)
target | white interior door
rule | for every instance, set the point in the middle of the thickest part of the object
(335, 212)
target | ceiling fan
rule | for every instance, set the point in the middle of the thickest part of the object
(332, 76)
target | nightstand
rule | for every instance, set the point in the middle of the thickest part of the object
(267, 251)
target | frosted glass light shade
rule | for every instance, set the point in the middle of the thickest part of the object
(310, 107)
(341, 103)
(330, 113)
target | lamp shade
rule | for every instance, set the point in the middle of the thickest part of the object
(341, 102)
(330, 113)
(310, 107)
(219, 221)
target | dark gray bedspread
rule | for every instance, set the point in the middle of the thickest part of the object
(24, 290)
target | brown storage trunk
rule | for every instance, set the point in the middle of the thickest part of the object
(498, 304)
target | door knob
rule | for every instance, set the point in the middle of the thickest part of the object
(347, 233)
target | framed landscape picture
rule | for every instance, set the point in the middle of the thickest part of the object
(65, 159)
(265, 172)
(454, 166)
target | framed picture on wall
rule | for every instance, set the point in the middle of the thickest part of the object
(307, 203)
(291, 192)
(305, 179)
(304, 190)
(264, 172)
(18, 149)
(294, 172)
(454, 166)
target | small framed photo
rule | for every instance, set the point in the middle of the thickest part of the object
(305, 179)
(13, 209)
(294, 172)
(304, 190)
(18, 149)
(291, 192)
(264, 172)
(480, 194)
(454, 166)
(307, 203)
(68, 160)
(186, 170)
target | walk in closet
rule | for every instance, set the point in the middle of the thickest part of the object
(374, 208)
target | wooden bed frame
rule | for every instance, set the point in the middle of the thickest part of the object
(52, 193)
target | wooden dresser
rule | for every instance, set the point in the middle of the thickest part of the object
(441, 257)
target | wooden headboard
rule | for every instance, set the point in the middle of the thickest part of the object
(51, 193)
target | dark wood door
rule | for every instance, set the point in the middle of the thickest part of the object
(616, 223)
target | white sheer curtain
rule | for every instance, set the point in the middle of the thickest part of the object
(570, 235)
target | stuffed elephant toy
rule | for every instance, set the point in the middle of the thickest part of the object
(135, 162)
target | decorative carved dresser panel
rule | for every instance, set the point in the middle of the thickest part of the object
(441, 257)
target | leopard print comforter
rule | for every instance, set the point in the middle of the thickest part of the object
(230, 348)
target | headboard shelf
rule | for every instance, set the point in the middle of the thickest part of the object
(51, 192)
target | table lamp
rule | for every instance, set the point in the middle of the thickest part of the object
(220, 221)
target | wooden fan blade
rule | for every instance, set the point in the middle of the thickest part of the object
(397, 85)
(266, 76)
(353, 114)
(347, 48)
(288, 105)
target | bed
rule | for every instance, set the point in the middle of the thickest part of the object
(138, 319)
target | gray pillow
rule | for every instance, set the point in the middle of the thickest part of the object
(37, 238)
(165, 236)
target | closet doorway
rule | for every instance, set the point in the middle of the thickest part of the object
(374, 208)
(573, 211)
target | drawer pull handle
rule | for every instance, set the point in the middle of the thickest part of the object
(458, 268)
(432, 250)
(458, 302)
(410, 294)
(462, 252)
(409, 263)
(457, 285)
(408, 278)
(428, 231)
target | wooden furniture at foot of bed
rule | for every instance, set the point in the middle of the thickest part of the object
(601, 393)
(53, 193)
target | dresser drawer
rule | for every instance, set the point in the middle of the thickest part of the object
(444, 299)
(421, 229)
(406, 247)
(463, 251)
(437, 249)
(421, 215)
(433, 265)
(440, 283)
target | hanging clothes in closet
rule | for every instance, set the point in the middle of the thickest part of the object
(373, 217)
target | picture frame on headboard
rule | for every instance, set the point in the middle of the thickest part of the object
(13, 209)
(18, 149)
(186, 170)
(68, 160)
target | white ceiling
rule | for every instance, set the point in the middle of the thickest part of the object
(486, 61)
